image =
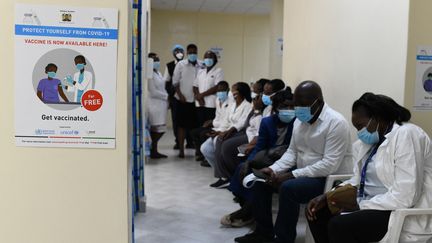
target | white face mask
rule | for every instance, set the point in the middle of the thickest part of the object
(179, 56)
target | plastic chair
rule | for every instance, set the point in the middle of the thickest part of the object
(397, 216)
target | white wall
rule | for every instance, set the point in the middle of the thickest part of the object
(57, 195)
(349, 47)
(244, 39)
(276, 31)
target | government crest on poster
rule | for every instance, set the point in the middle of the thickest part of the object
(65, 76)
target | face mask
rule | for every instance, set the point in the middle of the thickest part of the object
(208, 62)
(303, 113)
(192, 57)
(51, 74)
(80, 66)
(266, 99)
(156, 65)
(179, 56)
(222, 95)
(230, 95)
(367, 137)
(286, 116)
(254, 95)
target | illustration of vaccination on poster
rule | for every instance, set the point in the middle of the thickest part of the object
(423, 82)
(65, 76)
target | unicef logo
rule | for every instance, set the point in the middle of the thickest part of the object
(76, 132)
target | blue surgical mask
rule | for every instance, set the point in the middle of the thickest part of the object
(368, 137)
(303, 113)
(286, 116)
(222, 95)
(266, 100)
(192, 57)
(208, 62)
(156, 65)
(80, 66)
(51, 74)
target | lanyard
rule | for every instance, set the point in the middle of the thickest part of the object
(363, 173)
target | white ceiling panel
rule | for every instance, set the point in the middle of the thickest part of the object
(216, 6)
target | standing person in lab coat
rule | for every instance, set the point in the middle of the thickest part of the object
(393, 170)
(184, 77)
(81, 81)
(178, 54)
(157, 105)
(205, 87)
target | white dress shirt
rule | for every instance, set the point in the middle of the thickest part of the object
(221, 113)
(184, 75)
(253, 128)
(156, 100)
(237, 116)
(267, 111)
(318, 149)
(206, 80)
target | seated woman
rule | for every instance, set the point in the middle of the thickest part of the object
(273, 139)
(244, 141)
(234, 122)
(393, 171)
(270, 89)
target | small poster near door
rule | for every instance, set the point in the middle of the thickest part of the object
(423, 81)
(65, 76)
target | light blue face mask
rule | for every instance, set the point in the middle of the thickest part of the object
(156, 65)
(266, 100)
(208, 62)
(222, 95)
(303, 113)
(368, 137)
(286, 116)
(192, 57)
(51, 74)
(80, 66)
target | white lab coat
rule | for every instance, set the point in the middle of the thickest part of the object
(157, 100)
(221, 113)
(404, 166)
(206, 80)
(84, 86)
(236, 116)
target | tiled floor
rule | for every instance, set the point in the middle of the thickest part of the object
(181, 207)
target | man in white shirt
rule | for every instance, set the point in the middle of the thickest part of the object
(184, 77)
(320, 146)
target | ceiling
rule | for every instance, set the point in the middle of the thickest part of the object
(215, 6)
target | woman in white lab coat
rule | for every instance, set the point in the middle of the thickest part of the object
(205, 88)
(393, 170)
(235, 121)
(156, 106)
(82, 80)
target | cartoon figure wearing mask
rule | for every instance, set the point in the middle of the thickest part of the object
(82, 80)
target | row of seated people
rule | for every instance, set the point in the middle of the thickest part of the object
(294, 141)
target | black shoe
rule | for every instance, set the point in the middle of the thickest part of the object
(221, 183)
(199, 158)
(254, 237)
(157, 155)
(190, 146)
(204, 163)
(176, 146)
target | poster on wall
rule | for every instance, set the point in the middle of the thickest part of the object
(65, 76)
(423, 82)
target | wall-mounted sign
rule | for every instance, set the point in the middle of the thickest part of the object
(65, 76)
(423, 81)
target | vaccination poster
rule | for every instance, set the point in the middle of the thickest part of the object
(65, 76)
(423, 82)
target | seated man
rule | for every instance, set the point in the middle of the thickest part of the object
(273, 140)
(199, 135)
(320, 146)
